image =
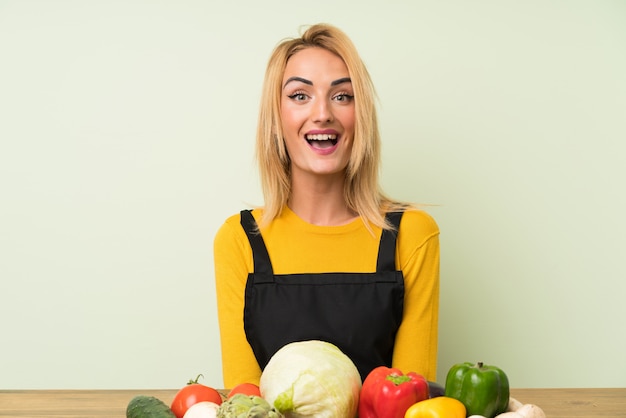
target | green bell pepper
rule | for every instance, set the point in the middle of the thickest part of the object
(483, 389)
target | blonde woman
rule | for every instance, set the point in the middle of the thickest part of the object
(329, 256)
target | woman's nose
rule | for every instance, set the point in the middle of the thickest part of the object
(322, 112)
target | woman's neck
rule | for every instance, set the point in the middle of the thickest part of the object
(320, 201)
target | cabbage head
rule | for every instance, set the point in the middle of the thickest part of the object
(311, 379)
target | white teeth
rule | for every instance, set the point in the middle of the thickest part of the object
(321, 137)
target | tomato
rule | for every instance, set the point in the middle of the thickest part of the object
(249, 389)
(191, 394)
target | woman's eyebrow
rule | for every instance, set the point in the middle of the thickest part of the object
(340, 81)
(300, 79)
(310, 83)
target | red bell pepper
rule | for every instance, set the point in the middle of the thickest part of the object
(388, 393)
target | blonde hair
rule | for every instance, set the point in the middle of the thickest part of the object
(362, 192)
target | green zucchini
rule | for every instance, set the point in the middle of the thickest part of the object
(143, 406)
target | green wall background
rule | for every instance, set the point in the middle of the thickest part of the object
(127, 132)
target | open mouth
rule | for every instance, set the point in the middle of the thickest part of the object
(322, 140)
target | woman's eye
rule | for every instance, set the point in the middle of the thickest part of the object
(344, 97)
(298, 97)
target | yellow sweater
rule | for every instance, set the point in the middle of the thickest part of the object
(295, 247)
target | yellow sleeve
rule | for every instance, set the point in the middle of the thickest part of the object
(233, 262)
(416, 342)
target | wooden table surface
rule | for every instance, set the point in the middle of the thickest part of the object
(556, 403)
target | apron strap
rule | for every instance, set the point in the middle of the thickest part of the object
(262, 263)
(387, 249)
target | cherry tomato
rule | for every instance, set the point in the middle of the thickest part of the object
(249, 389)
(191, 394)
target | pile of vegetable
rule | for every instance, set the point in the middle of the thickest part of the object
(315, 379)
(196, 400)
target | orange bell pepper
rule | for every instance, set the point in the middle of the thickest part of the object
(439, 407)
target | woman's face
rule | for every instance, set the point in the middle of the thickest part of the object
(317, 111)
